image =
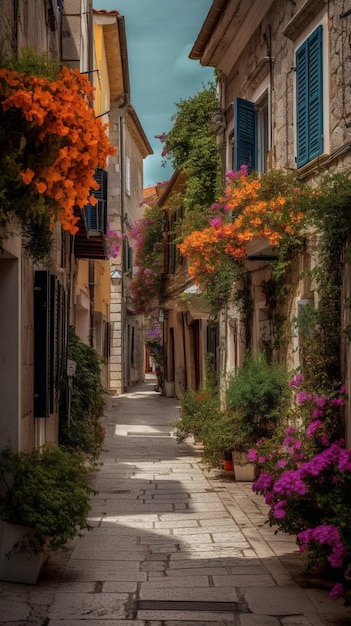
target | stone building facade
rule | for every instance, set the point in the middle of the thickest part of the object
(124, 195)
(272, 57)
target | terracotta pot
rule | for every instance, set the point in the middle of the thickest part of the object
(228, 465)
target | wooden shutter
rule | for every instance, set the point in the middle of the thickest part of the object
(130, 258)
(245, 134)
(309, 99)
(96, 215)
(127, 256)
(315, 93)
(41, 343)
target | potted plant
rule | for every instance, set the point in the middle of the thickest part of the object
(44, 502)
(257, 394)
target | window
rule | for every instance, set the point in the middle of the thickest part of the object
(262, 134)
(96, 215)
(245, 134)
(127, 175)
(127, 256)
(309, 98)
(251, 135)
(132, 347)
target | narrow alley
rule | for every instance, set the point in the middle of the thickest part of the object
(172, 545)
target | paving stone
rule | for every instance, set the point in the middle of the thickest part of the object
(14, 611)
(277, 600)
(295, 620)
(103, 571)
(92, 606)
(258, 620)
(183, 616)
(101, 622)
(119, 587)
(178, 524)
(208, 594)
(244, 580)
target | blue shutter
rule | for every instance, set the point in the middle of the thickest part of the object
(309, 99)
(245, 134)
(302, 105)
(315, 93)
(96, 215)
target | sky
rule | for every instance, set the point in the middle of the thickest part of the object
(160, 36)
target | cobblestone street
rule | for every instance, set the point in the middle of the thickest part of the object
(173, 544)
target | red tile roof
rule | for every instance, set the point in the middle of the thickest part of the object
(105, 12)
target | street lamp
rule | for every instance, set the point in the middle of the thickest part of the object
(116, 277)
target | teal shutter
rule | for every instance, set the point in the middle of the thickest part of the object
(130, 258)
(302, 105)
(127, 256)
(245, 134)
(309, 98)
(97, 214)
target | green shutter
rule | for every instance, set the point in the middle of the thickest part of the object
(309, 98)
(130, 258)
(245, 134)
(302, 104)
(97, 214)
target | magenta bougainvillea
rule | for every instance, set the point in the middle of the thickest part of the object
(306, 481)
(146, 285)
(113, 242)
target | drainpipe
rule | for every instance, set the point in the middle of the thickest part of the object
(91, 302)
(125, 362)
(268, 41)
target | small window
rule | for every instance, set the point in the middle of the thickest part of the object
(127, 176)
(309, 98)
(127, 255)
(132, 347)
(262, 134)
(245, 134)
(251, 134)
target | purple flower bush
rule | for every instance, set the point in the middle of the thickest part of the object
(146, 285)
(153, 338)
(305, 478)
(113, 242)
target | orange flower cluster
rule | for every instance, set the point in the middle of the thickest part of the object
(60, 143)
(250, 208)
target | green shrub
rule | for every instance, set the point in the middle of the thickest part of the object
(81, 430)
(46, 490)
(257, 393)
(199, 409)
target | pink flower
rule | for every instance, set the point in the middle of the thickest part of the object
(296, 380)
(252, 455)
(216, 222)
(312, 428)
(324, 534)
(337, 591)
(279, 510)
(301, 397)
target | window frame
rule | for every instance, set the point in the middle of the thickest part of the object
(309, 98)
(320, 20)
(261, 96)
(127, 175)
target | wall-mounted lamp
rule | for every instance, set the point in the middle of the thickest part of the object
(116, 277)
